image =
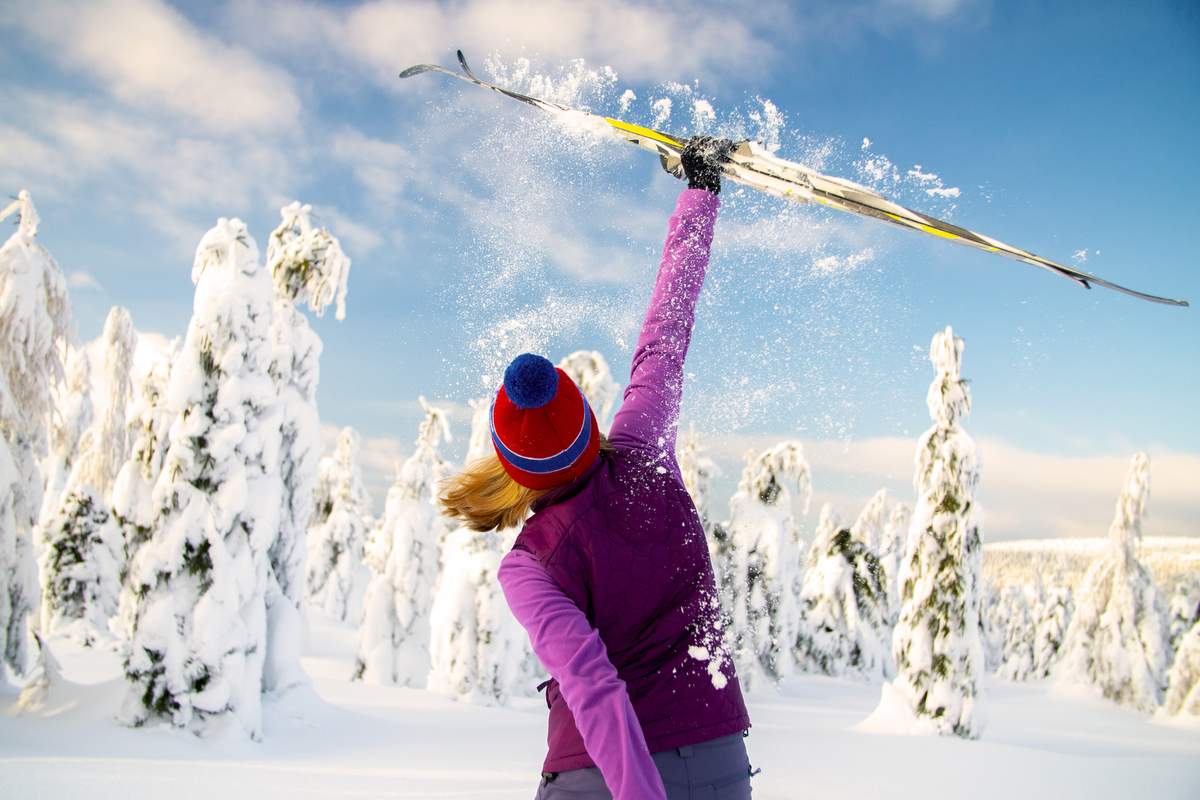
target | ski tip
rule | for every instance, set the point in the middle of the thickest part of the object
(462, 60)
(415, 69)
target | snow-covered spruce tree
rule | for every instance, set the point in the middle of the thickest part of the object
(991, 625)
(71, 418)
(34, 323)
(478, 651)
(107, 451)
(842, 629)
(590, 371)
(698, 471)
(868, 528)
(480, 443)
(197, 636)
(1117, 641)
(79, 566)
(868, 532)
(1050, 631)
(82, 555)
(765, 562)
(936, 644)
(1017, 651)
(891, 552)
(403, 556)
(1184, 609)
(1183, 680)
(132, 498)
(337, 574)
(309, 268)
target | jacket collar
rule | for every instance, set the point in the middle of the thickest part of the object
(569, 489)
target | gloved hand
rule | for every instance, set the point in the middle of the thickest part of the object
(703, 159)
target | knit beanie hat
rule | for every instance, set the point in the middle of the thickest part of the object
(544, 432)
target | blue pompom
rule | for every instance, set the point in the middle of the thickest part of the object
(530, 381)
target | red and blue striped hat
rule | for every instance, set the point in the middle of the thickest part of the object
(544, 432)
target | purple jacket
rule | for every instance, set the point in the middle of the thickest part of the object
(611, 575)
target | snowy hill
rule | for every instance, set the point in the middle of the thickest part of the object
(343, 739)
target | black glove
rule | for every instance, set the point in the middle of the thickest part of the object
(703, 159)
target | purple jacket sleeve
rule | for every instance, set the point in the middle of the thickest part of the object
(572, 651)
(650, 412)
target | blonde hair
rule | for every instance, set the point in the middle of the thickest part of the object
(484, 497)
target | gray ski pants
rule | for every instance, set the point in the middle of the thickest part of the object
(714, 770)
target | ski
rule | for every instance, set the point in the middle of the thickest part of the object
(754, 166)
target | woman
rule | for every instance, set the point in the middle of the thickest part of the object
(610, 576)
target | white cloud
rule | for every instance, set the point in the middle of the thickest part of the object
(357, 238)
(835, 244)
(382, 168)
(832, 264)
(149, 55)
(1022, 493)
(931, 9)
(932, 183)
(82, 281)
(70, 145)
(642, 42)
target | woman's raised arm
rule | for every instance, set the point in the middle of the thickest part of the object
(649, 414)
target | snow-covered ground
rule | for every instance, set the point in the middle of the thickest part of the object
(350, 740)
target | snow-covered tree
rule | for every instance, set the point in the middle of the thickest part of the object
(1050, 631)
(868, 528)
(34, 324)
(590, 371)
(841, 629)
(79, 567)
(1017, 660)
(403, 556)
(106, 451)
(132, 497)
(337, 574)
(197, 637)
(82, 557)
(1184, 609)
(478, 651)
(764, 568)
(991, 626)
(939, 657)
(891, 553)
(1183, 680)
(72, 417)
(1117, 640)
(480, 444)
(309, 268)
(868, 531)
(698, 471)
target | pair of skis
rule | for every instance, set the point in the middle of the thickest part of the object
(752, 165)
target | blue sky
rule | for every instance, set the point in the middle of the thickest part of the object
(478, 230)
